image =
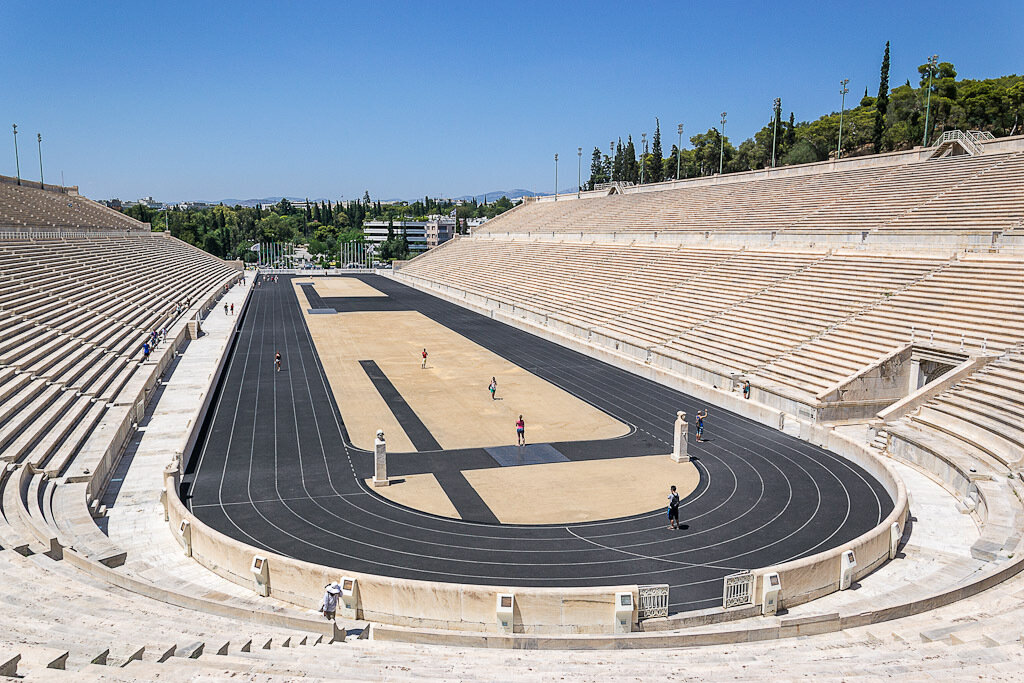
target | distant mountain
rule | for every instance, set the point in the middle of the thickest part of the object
(498, 194)
(254, 202)
(486, 196)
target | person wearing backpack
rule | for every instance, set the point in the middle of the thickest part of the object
(673, 508)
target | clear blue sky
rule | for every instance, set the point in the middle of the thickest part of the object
(209, 100)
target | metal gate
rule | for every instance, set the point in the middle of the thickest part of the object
(738, 590)
(653, 601)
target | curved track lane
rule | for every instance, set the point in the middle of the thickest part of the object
(275, 469)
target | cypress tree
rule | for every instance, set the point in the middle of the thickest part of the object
(881, 103)
(316, 213)
(790, 136)
(631, 167)
(596, 169)
(309, 216)
(618, 167)
(656, 165)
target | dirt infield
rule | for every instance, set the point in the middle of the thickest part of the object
(583, 491)
(450, 396)
(418, 491)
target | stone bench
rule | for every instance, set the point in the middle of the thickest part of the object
(77, 529)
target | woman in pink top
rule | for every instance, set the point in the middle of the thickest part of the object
(521, 431)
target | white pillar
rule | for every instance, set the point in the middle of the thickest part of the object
(915, 375)
(681, 431)
(380, 460)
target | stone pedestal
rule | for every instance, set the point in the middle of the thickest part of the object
(380, 461)
(681, 431)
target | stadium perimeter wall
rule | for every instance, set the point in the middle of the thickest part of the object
(467, 607)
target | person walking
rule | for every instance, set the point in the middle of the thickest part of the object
(492, 387)
(701, 414)
(145, 351)
(329, 605)
(673, 508)
(225, 308)
(277, 361)
(232, 309)
(746, 388)
(423, 364)
(520, 432)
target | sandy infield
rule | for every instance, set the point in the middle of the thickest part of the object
(450, 396)
(583, 491)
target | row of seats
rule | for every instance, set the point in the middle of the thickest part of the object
(973, 302)
(983, 413)
(23, 206)
(973, 194)
(800, 319)
(74, 314)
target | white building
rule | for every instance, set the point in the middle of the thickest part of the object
(150, 202)
(439, 229)
(474, 223)
(376, 232)
(194, 206)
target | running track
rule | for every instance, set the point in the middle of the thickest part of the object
(275, 469)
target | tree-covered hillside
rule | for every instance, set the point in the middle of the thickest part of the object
(892, 119)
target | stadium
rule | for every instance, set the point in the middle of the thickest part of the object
(853, 329)
(714, 408)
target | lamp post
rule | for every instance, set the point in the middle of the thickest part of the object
(679, 150)
(39, 140)
(721, 154)
(932, 61)
(556, 177)
(17, 164)
(777, 112)
(643, 155)
(579, 171)
(842, 108)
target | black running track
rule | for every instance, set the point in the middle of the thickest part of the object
(275, 468)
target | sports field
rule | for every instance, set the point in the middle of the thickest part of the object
(284, 462)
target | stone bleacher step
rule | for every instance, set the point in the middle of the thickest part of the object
(35, 657)
(9, 662)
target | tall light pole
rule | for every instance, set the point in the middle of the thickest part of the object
(579, 171)
(39, 140)
(776, 112)
(556, 177)
(842, 108)
(643, 155)
(17, 164)
(721, 155)
(932, 61)
(679, 150)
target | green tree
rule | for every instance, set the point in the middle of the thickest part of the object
(631, 168)
(655, 166)
(803, 152)
(597, 169)
(881, 103)
(1015, 97)
(619, 163)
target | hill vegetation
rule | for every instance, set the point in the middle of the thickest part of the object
(893, 119)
